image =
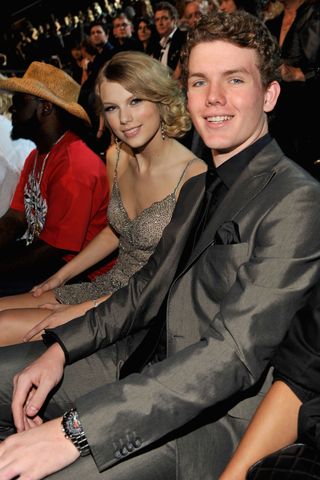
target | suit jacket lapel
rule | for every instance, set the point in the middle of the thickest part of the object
(249, 184)
(168, 252)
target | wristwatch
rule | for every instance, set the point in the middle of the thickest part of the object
(72, 429)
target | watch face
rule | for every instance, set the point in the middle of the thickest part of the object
(72, 424)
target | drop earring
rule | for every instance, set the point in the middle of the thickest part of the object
(163, 132)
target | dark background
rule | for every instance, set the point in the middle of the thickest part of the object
(17, 9)
(14, 12)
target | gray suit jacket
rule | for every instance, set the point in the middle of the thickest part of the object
(227, 312)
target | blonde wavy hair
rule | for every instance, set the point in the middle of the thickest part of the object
(149, 80)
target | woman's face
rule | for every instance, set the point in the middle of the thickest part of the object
(144, 32)
(133, 120)
(227, 6)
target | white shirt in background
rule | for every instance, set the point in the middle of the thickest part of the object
(12, 156)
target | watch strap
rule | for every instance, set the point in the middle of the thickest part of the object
(79, 439)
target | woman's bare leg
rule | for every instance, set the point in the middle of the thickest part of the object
(26, 300)
(15, 323)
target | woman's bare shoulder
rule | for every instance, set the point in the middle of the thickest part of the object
(196, 166)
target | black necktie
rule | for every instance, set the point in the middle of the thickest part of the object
(211, 196)
(213, 185)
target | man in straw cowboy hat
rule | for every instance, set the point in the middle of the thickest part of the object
(60, 201)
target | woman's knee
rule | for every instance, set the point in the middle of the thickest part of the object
(14, 324)
(26, 300)
(6, 319)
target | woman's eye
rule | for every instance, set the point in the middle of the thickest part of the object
(135, 101)
(109, 109)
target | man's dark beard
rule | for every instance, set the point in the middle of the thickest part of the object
(27, 130)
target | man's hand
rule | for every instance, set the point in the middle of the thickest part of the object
(33, 384)
(37, 453)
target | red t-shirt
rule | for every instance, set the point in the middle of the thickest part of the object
(75, 188)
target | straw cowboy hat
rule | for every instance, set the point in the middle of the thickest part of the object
(50, 83)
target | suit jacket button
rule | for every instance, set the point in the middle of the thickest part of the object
(130, 446)
(117, 454)
(137, 442)
(124, 451)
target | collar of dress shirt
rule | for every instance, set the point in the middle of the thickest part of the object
(165, 40)
(230, 170)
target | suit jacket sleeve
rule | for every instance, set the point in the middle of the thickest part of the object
(132, 307)
(233, 352)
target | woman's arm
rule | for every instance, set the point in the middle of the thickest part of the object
(100, 246)
(273, 426)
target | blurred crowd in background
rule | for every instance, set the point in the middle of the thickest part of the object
(79, 37)
(60, 34)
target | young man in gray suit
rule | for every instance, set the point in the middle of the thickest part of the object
(160, 380)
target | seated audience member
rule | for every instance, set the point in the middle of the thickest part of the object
(145, 110)
(230, 6)
(122, 31)
(98, 42)
(297, 29)
(60, 201)
(76, 63)
(12, 154)
(147, 35)
(99, 39)
(192, 13)
(213, 302)
(171, 38)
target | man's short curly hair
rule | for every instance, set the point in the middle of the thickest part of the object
(148, 79)
(241, 29)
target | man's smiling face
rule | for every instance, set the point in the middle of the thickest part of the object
(226, 98)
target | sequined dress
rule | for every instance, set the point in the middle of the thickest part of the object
(138, 238)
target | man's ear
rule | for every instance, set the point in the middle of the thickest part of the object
(271, 96)
(47, 107)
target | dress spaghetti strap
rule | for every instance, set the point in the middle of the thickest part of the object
(116, 167)
(184, 171)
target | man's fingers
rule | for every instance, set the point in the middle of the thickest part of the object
(28, 399)
(38, 398)
(32, 422)
(21, 390)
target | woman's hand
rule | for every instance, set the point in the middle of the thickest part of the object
(60, 315)
(52, 282)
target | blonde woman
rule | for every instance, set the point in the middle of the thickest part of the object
(147, 167)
